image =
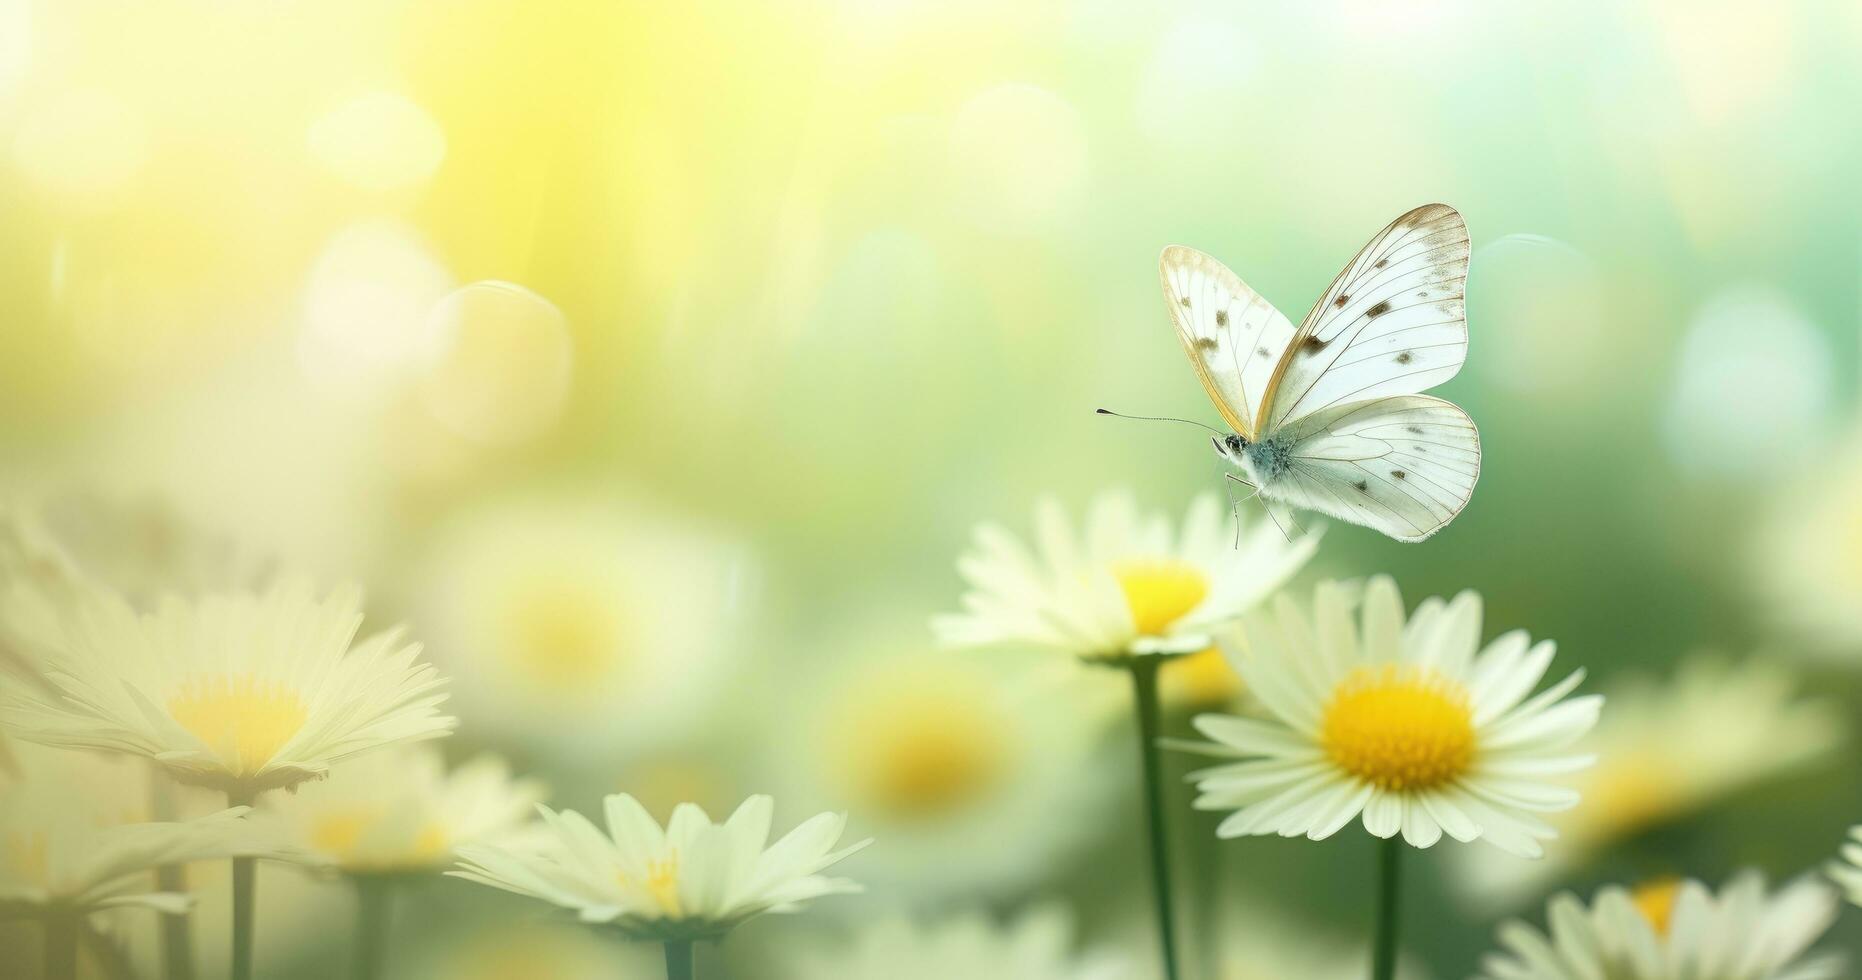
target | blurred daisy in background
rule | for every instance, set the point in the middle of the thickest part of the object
(1846, 871)
(1676, 930)
(1667, 750)
(531, 950)
(1403, 724)
(958, 762)
(693, 879)
(75, 839)
(583, 625)
(1035, 945)
(1260, 941)
(1809, 556)
(237, 692)
(1124, 585)
(398, 811)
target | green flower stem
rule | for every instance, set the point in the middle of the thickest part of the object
(1144, 695)
(245, 884)
(679, 959)
(61, 945)
(374, 914)
(1389, 893)
(177, 941)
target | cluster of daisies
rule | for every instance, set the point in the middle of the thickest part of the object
(223, 711)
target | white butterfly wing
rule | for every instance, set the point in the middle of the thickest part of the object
(1233, 337)
(1404, 465)
(1394, 322)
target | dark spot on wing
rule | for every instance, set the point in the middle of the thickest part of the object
(1342, 299)
(1263, 352)
(1414, 429)
(1381, 263)
(1399, 474)
(1405, 357)
(1379, 310)
(1311, 345)
(1221, 318)
(1185, 301)
(1363, 487)
(1207, 344)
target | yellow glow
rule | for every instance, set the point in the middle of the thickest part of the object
(337, 834)
(84, 146)
(1849, 544)
(1625, 793)
(1656, 901)
(27, 854)
(1159, 591)
(1402, 729)
(499, 368)
(1202, 678)
(663, 884)
(242, 720)
(1018, 153)
(922, 754)
(560, 635)
(379, 141)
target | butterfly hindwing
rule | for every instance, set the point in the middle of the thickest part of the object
(1404, 465)
(1233, 336)
(1394, 322)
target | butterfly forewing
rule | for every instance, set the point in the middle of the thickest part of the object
(1394, 322)
(1404, 465)
(1233, 337)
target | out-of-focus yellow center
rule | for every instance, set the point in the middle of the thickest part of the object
(561, 635)
(662, 885)
(243, 720)
(921, 746)
(1849, 544)
(1625, 793)
(27, 855)
(340, 834)
(1202, 679)
(1159, 591)
(1656, 901)
(1400, 728)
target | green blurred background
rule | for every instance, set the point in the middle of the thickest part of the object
(815, 287)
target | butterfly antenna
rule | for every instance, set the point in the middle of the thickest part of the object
(1157, 418)
(1234, 506)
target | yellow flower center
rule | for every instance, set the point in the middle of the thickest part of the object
(1159, 591)
(561, 635)
(337, 834)
(923, 744)
(1202, 679)
(1656, 901)
(662, 885)
(1625, 793)
(243, 720)
(340, 834)
(1399, 728)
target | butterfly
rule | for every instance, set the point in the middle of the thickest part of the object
(1331, 417)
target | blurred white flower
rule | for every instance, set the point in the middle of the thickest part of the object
(239, 692)
(957, 762)
(694, 879)
(589, 627)
(1666, 750)
(396, 811)
(1268, 944)
(140, 548)
(1847, 870)
(1037, 945)
(1675, 930)
(1402, 723)
(1125, 587)
(74, 838)
(1808, 556)
(533, 950)
(1738, 407)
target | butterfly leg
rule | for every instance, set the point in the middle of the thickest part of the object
(1234, 505)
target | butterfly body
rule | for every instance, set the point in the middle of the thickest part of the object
(1330, 416)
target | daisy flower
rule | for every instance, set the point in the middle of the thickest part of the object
(1675, 930)
(1038, 945)
(575, 625)
(1666, 751)
(1124, 585)
(397, 811)
(237, 692)
(957, 761)
(1847, 870)
(1404, 725)
(74, 838)
(693, 879)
